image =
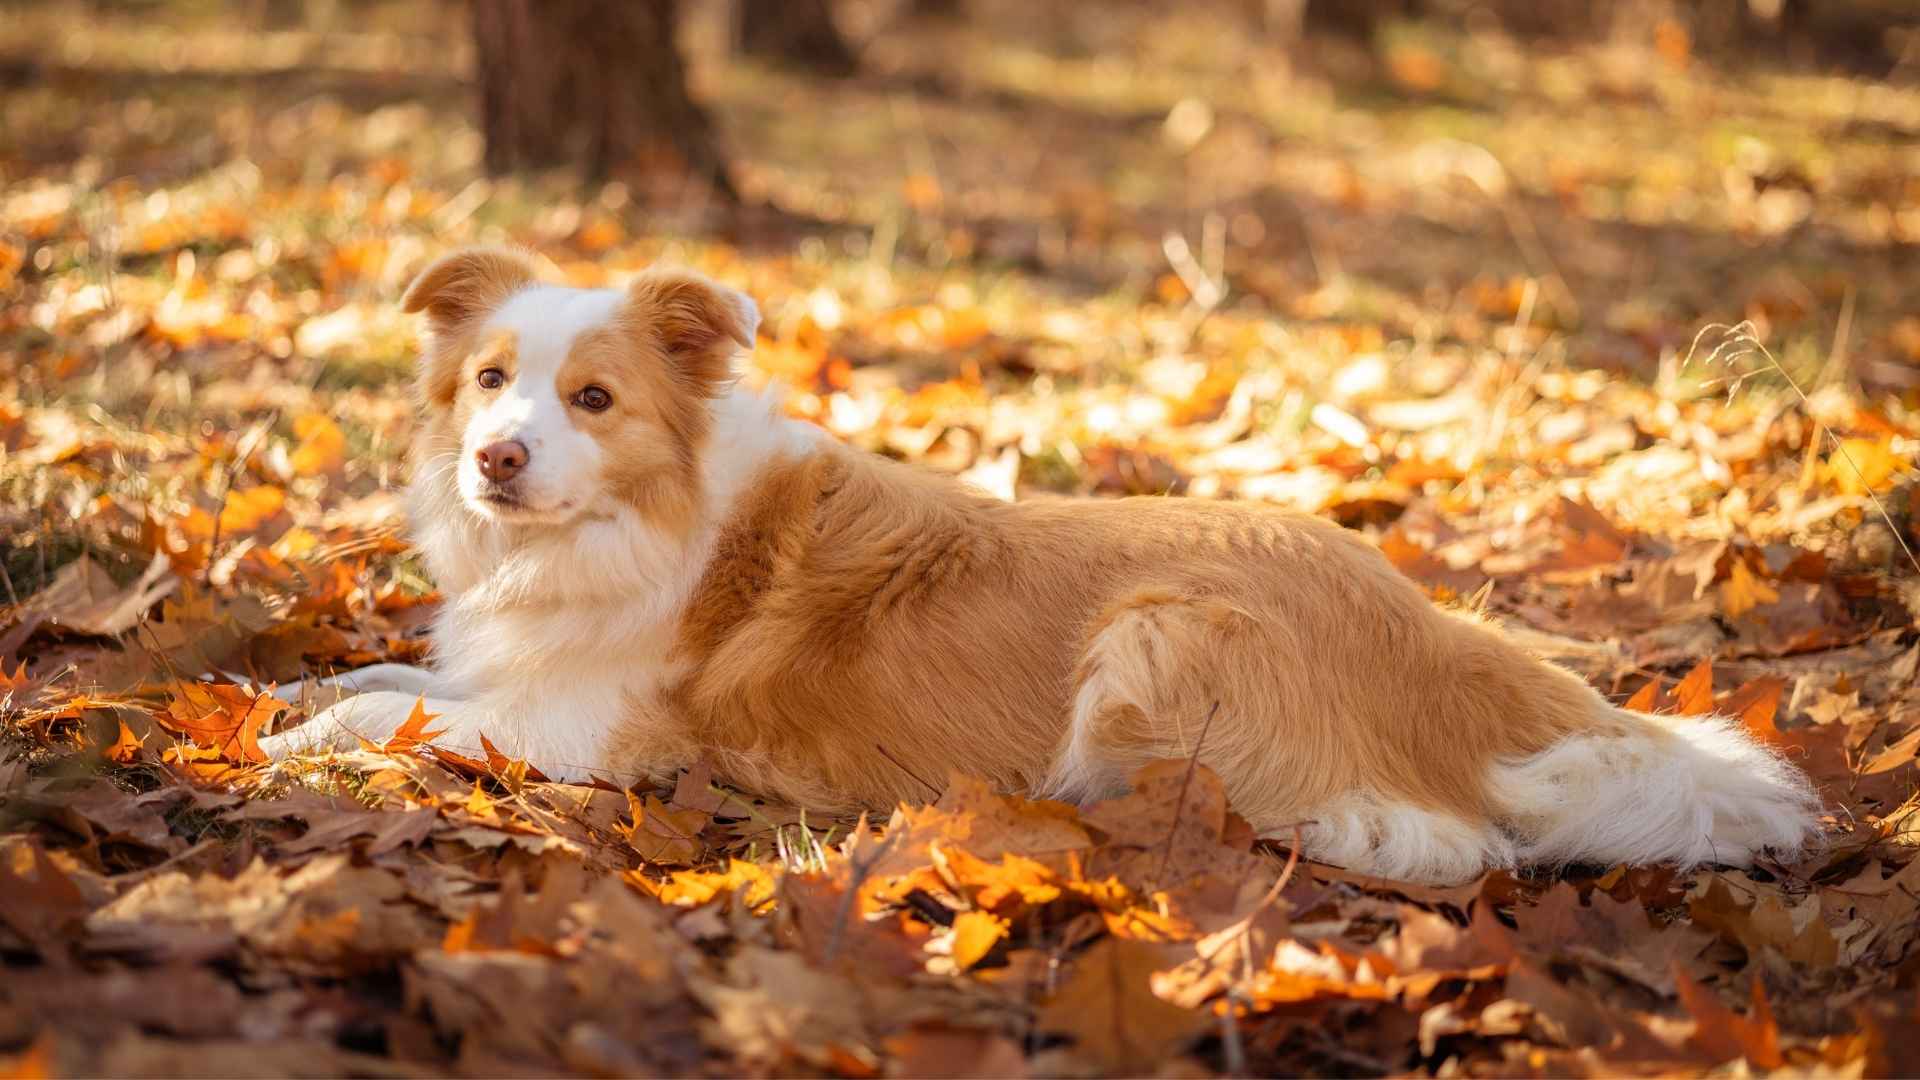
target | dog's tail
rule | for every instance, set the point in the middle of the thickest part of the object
(1685, 790)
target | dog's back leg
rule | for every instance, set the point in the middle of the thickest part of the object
(1173, 672)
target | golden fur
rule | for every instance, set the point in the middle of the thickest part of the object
(854, 603)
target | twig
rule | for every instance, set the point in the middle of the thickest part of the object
(242, 450)
(861, 868)
(1741, 341)
(902, 766)
(1266, 900)
(1180, 806)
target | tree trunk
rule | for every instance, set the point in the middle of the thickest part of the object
(795, 33)
(596, 84)
(1357, 18)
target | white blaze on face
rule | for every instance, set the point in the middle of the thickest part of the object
(562, 474)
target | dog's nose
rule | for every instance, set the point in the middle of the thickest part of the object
(501, 461)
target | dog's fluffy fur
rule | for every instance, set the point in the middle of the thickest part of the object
(689, 575)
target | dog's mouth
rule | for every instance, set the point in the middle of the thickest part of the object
(503, 504)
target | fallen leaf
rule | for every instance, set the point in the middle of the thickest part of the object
(221, 717)
(1108, 1007)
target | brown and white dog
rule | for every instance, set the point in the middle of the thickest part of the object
(645, 566)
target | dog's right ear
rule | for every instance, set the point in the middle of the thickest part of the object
(466, 285)
(455, 292)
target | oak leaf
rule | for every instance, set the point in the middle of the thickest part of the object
(221, 717)
(1109, 1008)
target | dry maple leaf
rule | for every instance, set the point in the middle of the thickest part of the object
(1171, 829)
(662, 834)
(1743, 591)
(1756, 916)
(1109, 1008)
(126, 746)
(221, 717)
(37, 900)
(1725, 1035)
(975, 933)
(754, 882)
(413, 733)
(938, 1052)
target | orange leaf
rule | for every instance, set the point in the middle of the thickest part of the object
(662, 834)
(1725, 1034)
(975, 933)
(1755, 704)
(1742, 591)
(506, 767)
(1646, 699)
(1694, 695)
(414, 732)
(221, 717)
(323, 446)
(33, 1063)
(691, 888)
(245, 511)
(125, 748)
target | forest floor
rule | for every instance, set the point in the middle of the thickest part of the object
(1614, 340)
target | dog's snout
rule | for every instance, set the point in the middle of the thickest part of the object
(501, 461)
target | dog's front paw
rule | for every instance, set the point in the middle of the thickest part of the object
(370, 717)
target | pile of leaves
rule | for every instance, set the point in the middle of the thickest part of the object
(1202, 284)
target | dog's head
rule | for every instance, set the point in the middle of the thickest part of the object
(558, 404)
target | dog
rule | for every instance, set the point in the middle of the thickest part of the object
(646, 566)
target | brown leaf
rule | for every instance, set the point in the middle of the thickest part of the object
(1606, 934)
(937, 1052)
(1725, 1035)
(83, 598)
(1171, 829)
(1755, 703)
(662, 834)
(388, 829)
(1108, 1006)
(1757, 918)
(37, 900)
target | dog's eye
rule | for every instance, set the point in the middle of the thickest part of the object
(492, 378)
(593, 399)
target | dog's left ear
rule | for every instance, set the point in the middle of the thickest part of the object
(700, 321)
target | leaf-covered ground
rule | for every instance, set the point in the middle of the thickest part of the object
(1444, 287)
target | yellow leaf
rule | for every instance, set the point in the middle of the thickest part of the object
(1742, 591)
(1859, 466)
(974, 935)
(323, 446)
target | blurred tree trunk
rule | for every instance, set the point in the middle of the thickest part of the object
(597, 84)
(795, 33)
(1359, 18)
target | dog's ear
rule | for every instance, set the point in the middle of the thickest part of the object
(465, 285)
(456, 291)
(701, 322)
